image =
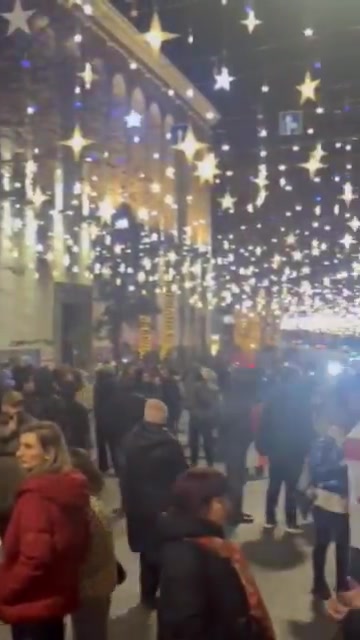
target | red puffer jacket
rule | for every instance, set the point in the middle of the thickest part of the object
(44, 547)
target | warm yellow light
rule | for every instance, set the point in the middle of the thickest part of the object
(190, 145)
(77, 143)
(156, 36)
(308, 89)
(207, 168)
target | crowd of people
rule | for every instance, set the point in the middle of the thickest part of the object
(58, 554)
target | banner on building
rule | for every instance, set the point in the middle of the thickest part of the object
(145, 339)
(168, 339)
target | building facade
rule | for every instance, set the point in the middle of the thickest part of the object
(89, 117)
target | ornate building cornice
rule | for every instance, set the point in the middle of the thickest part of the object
(121, 34)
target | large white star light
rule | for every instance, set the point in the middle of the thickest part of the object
(133, 120)
(77, 143)
(347, 241)
(251, 21)
(18, 18)
(348, 194)
(190, 145)
(88, 75)
(207, 168)
(228, 202)
(314, 164)
(223, 79)
(354, 224)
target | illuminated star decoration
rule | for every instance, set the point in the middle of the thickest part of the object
(314, 164)
(227, 202)
(290, 239)
(133, 120)
(319, 152)
(347, 241)
(77, 143)
(207, 168)
(156, 36)
(88, 76)
(190, 145)
(38, 198)
(18, 18)
(354, 224)
(262, 183)
(348, 194)
(251, 21)
(106, 211)
(308, 89)
(223, 79)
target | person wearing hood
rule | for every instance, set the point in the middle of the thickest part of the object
(75, 421)
(46, 540)
(153, 460)
(12, 418)
(207, 591)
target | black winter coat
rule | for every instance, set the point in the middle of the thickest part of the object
(171, 396)
(153, 461)
(10, 472)
(75, 424)
(201, 597)
(286, 427)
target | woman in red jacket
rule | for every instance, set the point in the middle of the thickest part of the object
(46, 540)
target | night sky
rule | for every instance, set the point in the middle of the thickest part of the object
(277, 54)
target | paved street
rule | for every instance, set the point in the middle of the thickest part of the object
(281, 565)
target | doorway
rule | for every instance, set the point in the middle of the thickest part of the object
(73, 324)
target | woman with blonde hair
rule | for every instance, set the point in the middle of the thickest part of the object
(46, 540)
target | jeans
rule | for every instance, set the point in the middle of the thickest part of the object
(91, 621)
(201, 429)
(149, 575)
(44, 630)
(281, 472)
(331, 527)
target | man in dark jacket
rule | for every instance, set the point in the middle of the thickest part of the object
(236, 435)
(125, 411)
(12, 418)
(153, 461)
(285, 436)
(75, 421)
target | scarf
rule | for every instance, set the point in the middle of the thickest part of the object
(258, 611)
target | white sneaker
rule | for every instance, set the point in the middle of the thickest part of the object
(269, 525)
(294, 530)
